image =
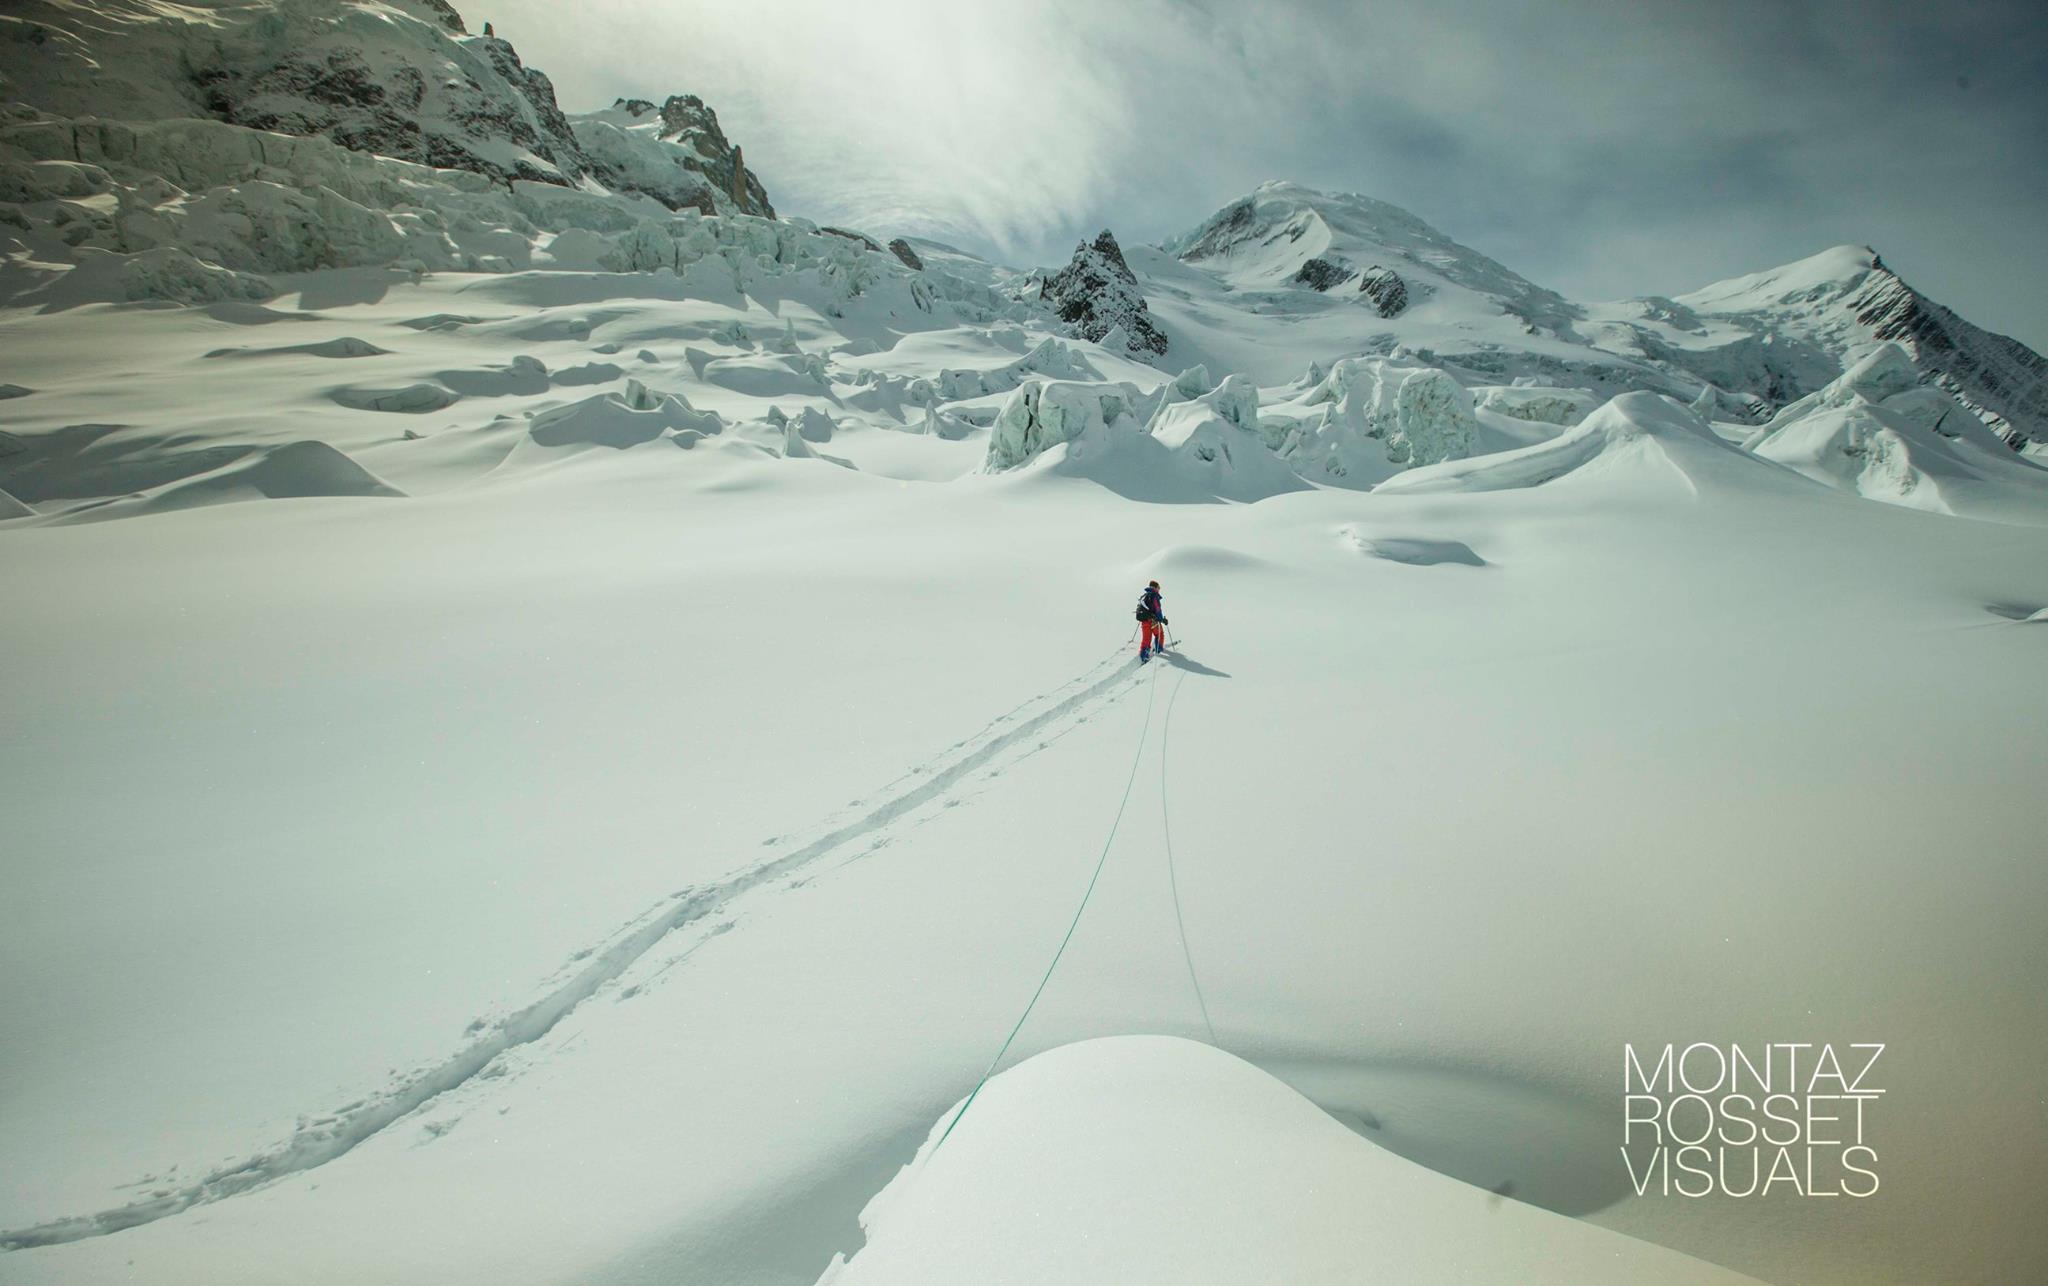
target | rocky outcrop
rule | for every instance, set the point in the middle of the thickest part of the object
(1224, 231)
(1321, 274)
(675, 153)
(433, 96)
(449, 18)
(1386, 290)
(398, 78)
(1098, 295)
(687, 122)
(901, 249)
(849, 234)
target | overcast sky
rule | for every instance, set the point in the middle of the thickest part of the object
(1599, 148)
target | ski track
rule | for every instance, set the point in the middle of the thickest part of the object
(338, 1133)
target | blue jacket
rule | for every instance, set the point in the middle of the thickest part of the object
(1149, 605)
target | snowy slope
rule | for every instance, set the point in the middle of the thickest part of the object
(480, 799)
(559, 727)
(1230, 294)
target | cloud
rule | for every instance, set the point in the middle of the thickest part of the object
(1599, 148)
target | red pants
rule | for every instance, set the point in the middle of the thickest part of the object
(1154, 639)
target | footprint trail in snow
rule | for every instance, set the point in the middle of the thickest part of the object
(335, 1134)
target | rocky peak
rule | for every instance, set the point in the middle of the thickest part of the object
(445, 13)
(675, 153)
(687, 121)
(1097, 294)
(2001, 379)
(1804, 322)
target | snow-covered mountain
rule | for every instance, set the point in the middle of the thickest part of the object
(397, 78)
(1774, 336)
(470, 555)
(1349, 274)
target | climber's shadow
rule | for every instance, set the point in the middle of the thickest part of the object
(1192, 666)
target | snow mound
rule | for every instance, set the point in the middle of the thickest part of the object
(1050, 358)
(12, 508)
(763, 375)
(411, 399)
(293, 471)
(1197, 560)
(1380, 417)
(1415, 551)
(621, 420)
(1637, 435)
(1155, 1159)
(344, 347)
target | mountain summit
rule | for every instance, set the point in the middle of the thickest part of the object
(1352, 274)
(1788, 327)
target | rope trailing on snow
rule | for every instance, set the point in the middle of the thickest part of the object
(1101, 861)
(1172, 880)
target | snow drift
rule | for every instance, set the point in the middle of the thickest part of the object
(1080, 1166)
(623, 419)
(1635, 439)
(294, 471)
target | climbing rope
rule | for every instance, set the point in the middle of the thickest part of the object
(1102, 860)
(1172, 880)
